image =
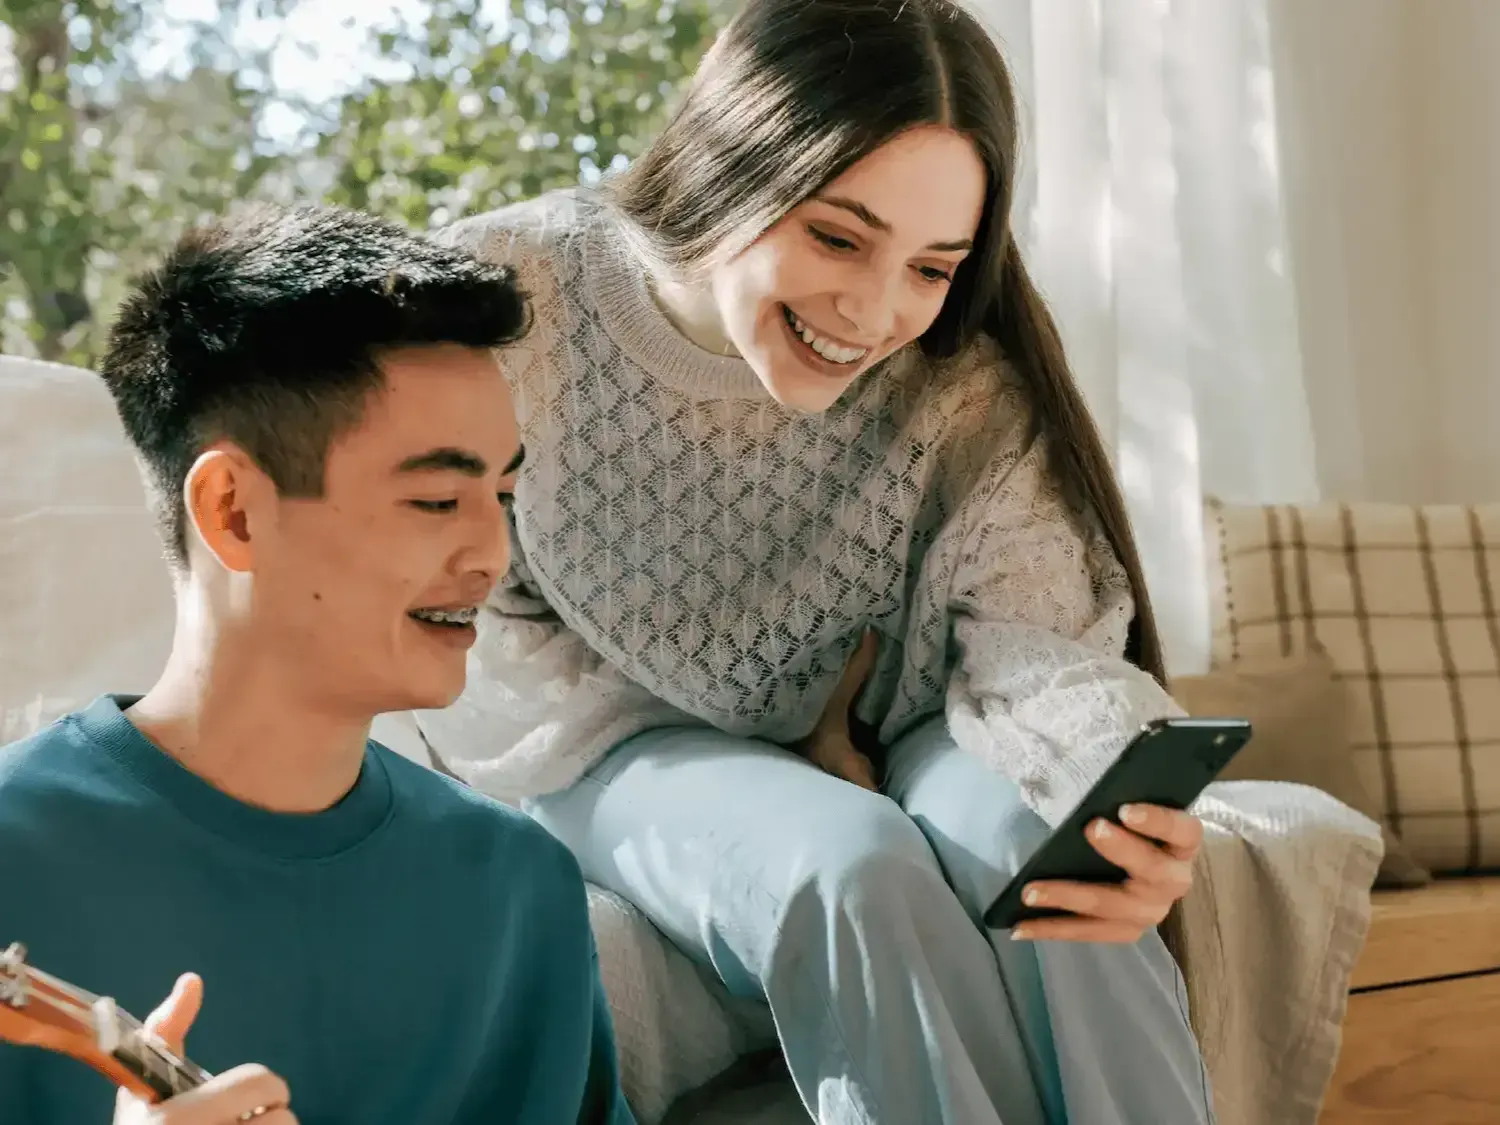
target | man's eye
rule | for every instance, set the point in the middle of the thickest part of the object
(434, 505)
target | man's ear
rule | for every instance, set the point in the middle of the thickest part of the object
(228, 498)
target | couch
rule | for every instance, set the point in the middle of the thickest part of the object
(79, 559)
(1367, 638)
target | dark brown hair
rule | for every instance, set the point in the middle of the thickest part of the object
(794, 92)
(265, 328)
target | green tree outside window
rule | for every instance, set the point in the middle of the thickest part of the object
(105, 155)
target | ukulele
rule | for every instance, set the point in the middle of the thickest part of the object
(38, 1010)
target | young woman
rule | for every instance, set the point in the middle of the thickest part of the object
(788, 384)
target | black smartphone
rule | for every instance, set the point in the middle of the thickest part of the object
(1169, 763)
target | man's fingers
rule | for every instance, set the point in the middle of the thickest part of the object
(171, 1019)
(225, 1097)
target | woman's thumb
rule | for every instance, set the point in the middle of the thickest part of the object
(174, 1015)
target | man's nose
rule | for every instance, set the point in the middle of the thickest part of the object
(488, 553)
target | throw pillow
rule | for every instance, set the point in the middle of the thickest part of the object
(1403, 599)
(1301, 721)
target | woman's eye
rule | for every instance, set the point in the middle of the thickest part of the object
(434, 505)
(832, 241)
(932, 273)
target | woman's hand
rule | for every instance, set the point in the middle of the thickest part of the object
(830, 746)
(1156, 849)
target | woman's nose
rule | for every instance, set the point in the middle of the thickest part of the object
(868, 309)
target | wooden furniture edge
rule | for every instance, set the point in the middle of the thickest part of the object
(1449, 928)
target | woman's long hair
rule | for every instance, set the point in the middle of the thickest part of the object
(793, 93)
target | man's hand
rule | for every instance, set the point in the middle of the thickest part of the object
(1156, 849)
(246, 1093)
(830, 747)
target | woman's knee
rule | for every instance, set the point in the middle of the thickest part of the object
(1018, 834)
(871, 866)
(976, 818)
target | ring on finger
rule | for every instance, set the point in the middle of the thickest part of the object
(252, 1114)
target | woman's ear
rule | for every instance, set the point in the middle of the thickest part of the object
(226, 496)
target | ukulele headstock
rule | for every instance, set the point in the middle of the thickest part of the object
(34, 1013)
(38, 1010)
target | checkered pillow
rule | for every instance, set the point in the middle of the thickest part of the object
(1404, 601)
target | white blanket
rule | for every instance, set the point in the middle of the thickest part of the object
(1272, 938)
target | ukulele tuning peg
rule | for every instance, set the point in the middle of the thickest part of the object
(13, 975)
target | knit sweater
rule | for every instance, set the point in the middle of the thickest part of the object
(689, 551)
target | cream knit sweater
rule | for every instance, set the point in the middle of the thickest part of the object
(689, 551)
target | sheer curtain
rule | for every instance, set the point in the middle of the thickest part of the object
(1150, 207)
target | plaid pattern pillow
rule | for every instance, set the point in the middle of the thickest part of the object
(1403, 599)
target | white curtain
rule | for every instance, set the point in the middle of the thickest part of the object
(1150, 208)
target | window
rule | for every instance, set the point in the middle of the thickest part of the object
(122, 124)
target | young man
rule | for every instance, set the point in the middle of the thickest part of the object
(328, 443)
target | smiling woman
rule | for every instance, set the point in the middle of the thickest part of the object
(848, 276)
(789, 385)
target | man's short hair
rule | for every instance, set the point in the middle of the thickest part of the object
(264, 329)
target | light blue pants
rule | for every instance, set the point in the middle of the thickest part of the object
(856, 916)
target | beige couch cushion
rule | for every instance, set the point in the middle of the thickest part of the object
(1301, 719)
(85, 599)
(1403, 599)
(85, 596)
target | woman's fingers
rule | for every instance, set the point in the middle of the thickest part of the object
(1128, 903)
(859, 770)
(1180, 832)
(1159, 874)
(838, 757)
(1078, 929)
(856, 672)
(1144, 860)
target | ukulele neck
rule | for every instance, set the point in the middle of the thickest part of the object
(133, 1047)
(39, 1009)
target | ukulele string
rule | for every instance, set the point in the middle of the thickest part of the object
(149, 1051)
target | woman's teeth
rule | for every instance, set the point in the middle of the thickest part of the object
(834, 353)
(464, 616)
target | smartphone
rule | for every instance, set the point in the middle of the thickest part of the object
(1168, 763)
